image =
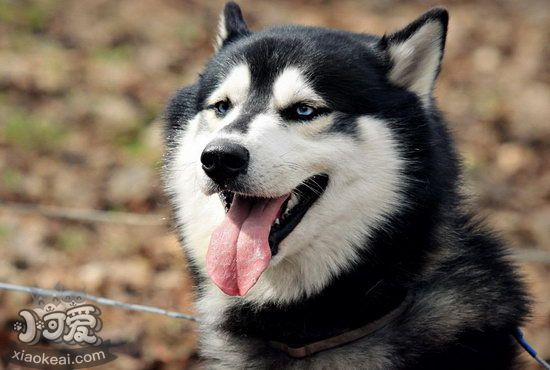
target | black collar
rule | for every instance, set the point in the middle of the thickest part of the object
(339, 315)
(345, 337)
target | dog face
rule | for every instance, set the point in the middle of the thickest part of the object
(294, 146)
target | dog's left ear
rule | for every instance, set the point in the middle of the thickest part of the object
(415, 52)
(231, 25)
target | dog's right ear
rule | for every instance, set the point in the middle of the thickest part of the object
(231, 25)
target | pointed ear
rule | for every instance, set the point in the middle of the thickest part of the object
(231, 25)
(415, 52)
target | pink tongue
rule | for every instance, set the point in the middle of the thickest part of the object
(239, 249)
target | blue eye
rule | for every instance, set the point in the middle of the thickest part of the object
(222, 107)
(304, 110)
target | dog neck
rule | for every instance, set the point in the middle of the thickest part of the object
(354, 300)
(346, 337)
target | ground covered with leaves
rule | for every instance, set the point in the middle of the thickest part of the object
(82, 84)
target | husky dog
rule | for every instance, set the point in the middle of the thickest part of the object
(315, 191)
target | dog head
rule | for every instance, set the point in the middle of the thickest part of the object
(294, 146)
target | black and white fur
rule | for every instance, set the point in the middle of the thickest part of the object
(390, 223)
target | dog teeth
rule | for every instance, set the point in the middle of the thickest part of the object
(285, 215)
(292, 201)
(277, 221)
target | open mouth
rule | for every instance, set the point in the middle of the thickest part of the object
(291, 212)
(242, 245)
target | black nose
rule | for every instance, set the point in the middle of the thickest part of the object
(224, 160)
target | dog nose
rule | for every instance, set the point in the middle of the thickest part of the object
(224, 160)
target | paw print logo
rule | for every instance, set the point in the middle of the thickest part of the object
(40, 325)
(18, 326)
(49, 307)
(73, 303)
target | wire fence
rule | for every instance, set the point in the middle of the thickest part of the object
(100, 300)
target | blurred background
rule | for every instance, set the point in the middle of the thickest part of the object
(82, 84)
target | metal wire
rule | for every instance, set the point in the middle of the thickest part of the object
(100, 300)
